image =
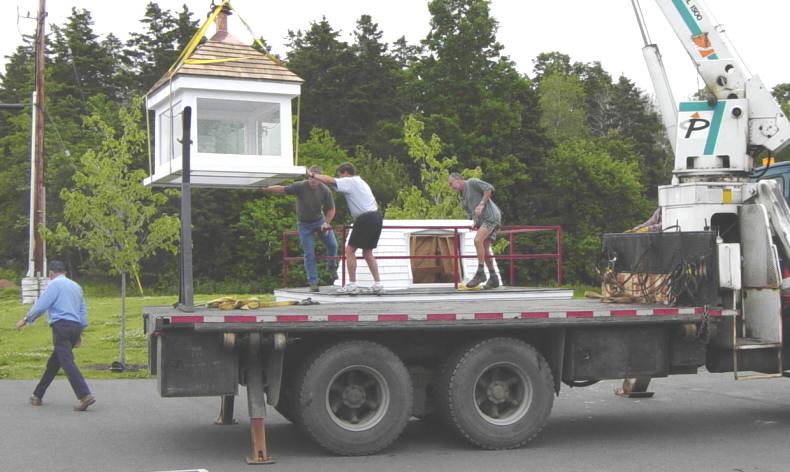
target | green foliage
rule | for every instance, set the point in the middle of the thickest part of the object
(10, 293)
(434, 198)
(325, 63)
(551, 63)
(9, 274)
(386, 177)
(782, 94)
(262, 223)
(591, 190)
(563, 108)
(108, 212)
(17, 87)
(322, 149)
(475, 99)
(150, 53)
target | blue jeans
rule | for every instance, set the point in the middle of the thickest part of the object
(307, 232)
(65, 334)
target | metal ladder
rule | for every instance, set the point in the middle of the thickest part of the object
(741, 344)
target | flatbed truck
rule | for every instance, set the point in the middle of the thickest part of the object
(351, 375)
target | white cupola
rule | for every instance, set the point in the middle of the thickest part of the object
(241, 123)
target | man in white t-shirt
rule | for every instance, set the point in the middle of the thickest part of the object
(367, 223)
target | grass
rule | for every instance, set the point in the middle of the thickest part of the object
(579, 289)
(24, 353)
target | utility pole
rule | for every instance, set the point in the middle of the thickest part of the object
(35, 282)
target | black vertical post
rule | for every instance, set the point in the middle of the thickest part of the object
(186, 299)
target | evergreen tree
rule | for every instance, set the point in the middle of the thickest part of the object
(325, 63)
(374, 96)
(473, 97)
(81, 63)
(150, 53)
(17, 87)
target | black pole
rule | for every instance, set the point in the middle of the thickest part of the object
(186, 296)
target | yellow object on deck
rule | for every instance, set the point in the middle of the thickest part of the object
(230, 303)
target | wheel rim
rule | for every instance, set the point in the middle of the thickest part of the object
(503, 393)
(357, 398)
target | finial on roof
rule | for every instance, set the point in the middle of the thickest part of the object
(222, 35)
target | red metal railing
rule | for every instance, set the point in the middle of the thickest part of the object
(510, 231)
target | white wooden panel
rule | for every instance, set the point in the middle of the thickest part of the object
(396, 273)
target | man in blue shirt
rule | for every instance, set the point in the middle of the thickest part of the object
(65, 307)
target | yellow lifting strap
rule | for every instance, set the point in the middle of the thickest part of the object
(215, 61)
(231, 303)
(183, 58)
(193, 43)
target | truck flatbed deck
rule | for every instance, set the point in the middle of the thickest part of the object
(387, 313)
(329, 294)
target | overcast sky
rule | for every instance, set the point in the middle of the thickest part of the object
(587, 30)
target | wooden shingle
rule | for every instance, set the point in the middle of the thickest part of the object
(248, 63)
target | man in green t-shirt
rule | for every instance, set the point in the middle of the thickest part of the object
(315, 210)
(476, 199)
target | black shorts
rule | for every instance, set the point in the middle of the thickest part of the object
(366, 231)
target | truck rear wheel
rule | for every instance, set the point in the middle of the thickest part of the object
(355, 398)
(498, 394)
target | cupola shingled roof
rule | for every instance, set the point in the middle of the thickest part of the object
(247, 62)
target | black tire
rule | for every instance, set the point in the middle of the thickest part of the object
(355, 398)
(287, 404)
(289, 395)
(498, 394)
(440, 387)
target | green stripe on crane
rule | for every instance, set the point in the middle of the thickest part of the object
(692, 24)
(687, 18)
(715, 124)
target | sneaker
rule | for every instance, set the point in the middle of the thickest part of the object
(479, 278)
(350, 289)
(376, 288)
(85, 402)
(314, 288)
(493, 282)
(35, 401)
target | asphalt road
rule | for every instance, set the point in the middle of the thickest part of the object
(703, 422)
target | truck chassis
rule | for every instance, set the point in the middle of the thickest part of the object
(350, 375)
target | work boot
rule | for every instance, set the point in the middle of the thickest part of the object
(85, 402)
(493, 282)
(314, 288)
(350, 289)
(479, 278)
(34, 400)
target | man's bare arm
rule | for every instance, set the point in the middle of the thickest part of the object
(329, 180)
(273, 189)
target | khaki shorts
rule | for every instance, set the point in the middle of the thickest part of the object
(491, 226)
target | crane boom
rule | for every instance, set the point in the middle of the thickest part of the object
(726, 79)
